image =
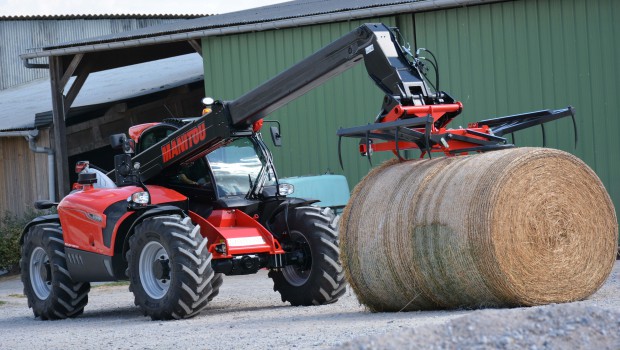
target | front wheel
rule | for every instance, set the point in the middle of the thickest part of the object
(216, 283)
(51, 292)
(318, 277)
(169, 268)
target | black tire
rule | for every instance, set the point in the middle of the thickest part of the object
(321, 279)
(169, 268)
(51, 292)
(217, 281)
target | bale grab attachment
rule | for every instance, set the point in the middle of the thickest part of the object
(424, 128)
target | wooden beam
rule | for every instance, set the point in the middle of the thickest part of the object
(70, 70)
(196, 45)
(60, 137)
(74, 90)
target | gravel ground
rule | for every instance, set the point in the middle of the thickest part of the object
(565, 326)
(247, 314)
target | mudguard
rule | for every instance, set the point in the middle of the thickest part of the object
(36, 221)
(151, 211)
(285, 206)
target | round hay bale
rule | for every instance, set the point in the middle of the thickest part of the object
(525, 226)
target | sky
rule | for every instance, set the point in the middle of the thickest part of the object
(83, 7)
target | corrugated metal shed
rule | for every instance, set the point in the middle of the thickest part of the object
(101, 16)
(29, 106)
(19, 34)
(286, 10)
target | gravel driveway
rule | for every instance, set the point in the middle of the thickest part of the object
(247, 314)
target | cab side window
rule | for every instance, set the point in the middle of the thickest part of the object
(153, 135)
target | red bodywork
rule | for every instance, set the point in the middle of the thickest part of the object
(240, 233)
(83, 218)
(136, 131)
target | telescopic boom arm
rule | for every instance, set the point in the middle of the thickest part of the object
(385, 62)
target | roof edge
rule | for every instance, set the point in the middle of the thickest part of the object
(260, 26)
(99, 16)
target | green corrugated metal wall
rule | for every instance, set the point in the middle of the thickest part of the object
(498, 59)
(237, 64)
(519, 56)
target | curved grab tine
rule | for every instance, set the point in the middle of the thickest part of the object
(427, 136)
(368, 147)
(542, 126)
(340, 152)
(512, 136)
(572, 115)
(396, 140)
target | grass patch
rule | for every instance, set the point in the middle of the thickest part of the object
(17, 295)
(2, 302)
(112, 284)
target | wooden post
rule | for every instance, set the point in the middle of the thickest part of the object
(60, 135)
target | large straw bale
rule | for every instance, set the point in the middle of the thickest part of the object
(525, 226)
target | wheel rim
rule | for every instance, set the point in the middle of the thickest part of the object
(154, 269)
(294, 274)
(40, 273)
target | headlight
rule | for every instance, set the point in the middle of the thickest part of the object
(139, 199)
(285, 189)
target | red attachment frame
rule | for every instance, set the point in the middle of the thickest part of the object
(435, 111)
(425, 127)
(232, 232)
(431, 114)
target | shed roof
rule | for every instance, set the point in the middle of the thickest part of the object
(173, 39)
(29, 106)
(286, 10)
(98, 16)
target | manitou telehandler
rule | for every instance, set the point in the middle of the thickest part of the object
(201, 198)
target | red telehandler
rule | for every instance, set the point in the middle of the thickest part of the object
(201, 199)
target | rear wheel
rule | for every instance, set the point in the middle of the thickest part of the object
(51, 292)
(318, 278)
(169, 268)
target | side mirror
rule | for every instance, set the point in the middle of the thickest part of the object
(120, 141)
(275, 136)
(44, 204)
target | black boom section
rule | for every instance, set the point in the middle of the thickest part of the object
(385, 62)
(197, 137)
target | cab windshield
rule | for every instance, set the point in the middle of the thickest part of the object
(237, 166)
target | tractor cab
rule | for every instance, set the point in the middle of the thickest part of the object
(239, 171)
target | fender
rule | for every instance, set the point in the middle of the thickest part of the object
(285, 206)
(291, 203)
(88, 266)
(38, 220)
(140, 216)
